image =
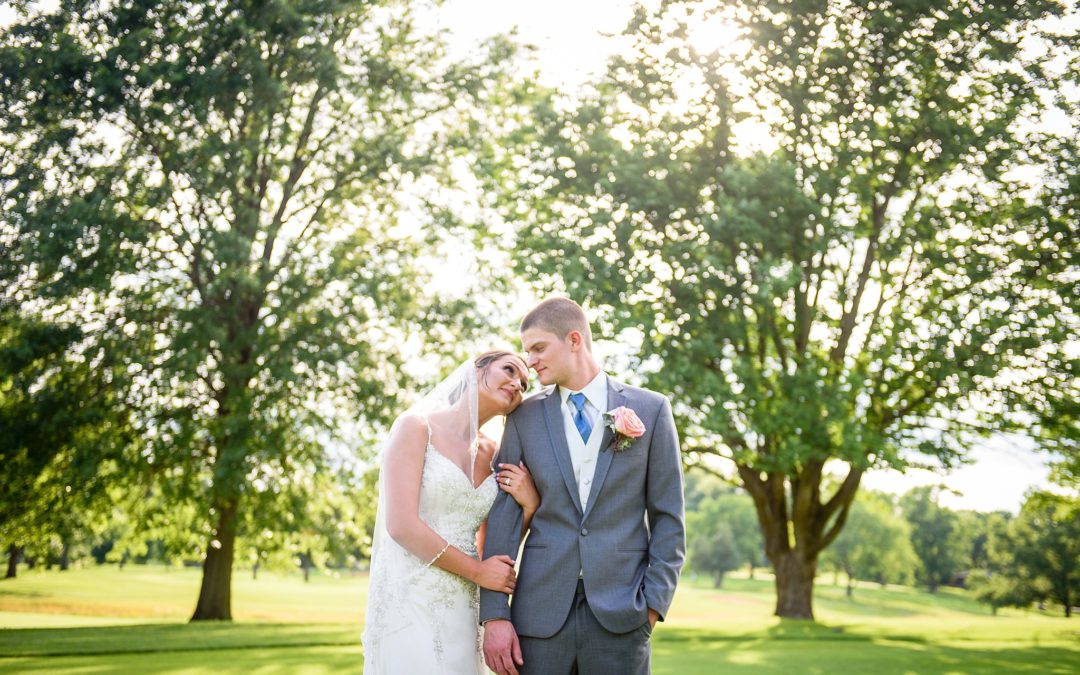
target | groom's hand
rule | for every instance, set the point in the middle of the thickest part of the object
(502, 651)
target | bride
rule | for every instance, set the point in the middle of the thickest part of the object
(436, 486)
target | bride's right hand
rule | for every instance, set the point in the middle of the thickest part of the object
(497, 574)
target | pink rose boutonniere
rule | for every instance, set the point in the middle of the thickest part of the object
(625, 427)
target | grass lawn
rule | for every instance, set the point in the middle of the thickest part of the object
(107, 620)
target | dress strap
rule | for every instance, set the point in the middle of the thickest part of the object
(428, 425)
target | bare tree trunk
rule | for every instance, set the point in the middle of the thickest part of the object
(215, 594)
(14, 554)
(794, 586)
(65, 556)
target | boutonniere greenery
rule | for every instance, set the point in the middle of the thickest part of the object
(625, 427)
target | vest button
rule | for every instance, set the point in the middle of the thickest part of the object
(584, 531)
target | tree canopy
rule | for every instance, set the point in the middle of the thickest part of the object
(238, 173)
(850, 295)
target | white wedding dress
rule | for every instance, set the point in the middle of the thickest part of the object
(422, 619)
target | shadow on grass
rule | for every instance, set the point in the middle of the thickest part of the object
(802, 647)
(788, 647)
(147, 638)
(21, 593)
(261, 661)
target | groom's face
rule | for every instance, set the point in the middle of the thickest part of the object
(547, 354)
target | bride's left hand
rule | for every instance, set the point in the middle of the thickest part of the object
(515, 480)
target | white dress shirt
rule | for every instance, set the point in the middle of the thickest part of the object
(583, 454)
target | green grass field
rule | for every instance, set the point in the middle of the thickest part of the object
(107, 620)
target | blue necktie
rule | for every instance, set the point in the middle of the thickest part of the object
(580, 420)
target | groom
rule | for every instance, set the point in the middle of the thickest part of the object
(605, 547)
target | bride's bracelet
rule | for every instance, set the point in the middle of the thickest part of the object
(439, 555)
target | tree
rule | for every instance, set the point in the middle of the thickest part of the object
(63, 432)
(847, 298)
(715, 553)
(1047, 396)
(238, 167)
(983, 531)
(989, 581)
(875, 544)
(939, 541)
(724, 514)
(1039, 559)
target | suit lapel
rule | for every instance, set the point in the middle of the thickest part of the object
(553, 419)
(615, 398)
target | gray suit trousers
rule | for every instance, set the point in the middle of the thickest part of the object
(583, 647)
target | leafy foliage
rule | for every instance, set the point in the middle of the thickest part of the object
(232, 174)
(858, 292)
(1038, 557)
(875, 544)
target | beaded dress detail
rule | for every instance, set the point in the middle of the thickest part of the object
(422, 619)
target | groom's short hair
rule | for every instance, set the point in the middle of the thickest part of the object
(559, 316)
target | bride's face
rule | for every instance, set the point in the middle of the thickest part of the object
(502, 382)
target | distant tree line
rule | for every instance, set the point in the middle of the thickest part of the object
(1006, 560)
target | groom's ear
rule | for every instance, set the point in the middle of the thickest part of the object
(575, 339)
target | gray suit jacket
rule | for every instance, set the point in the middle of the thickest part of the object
(629, 543)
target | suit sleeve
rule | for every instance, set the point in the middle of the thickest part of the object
(664, 509)
(504, 521)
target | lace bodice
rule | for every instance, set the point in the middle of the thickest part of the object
(448, 502)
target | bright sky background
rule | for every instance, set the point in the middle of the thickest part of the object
(572, 40)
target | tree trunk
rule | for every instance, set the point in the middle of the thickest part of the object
(14, 553)
(1068, 601)
(215, 595)
(255, 571)
(718, 581)
(751, 570)
(65, 556)
(306, 564)
(796, 530)
(794, 586)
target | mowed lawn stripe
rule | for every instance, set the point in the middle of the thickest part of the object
(146, 638)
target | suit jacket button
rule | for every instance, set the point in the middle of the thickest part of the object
(584, 531)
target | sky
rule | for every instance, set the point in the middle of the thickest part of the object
(569, 36)
(572, 40)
